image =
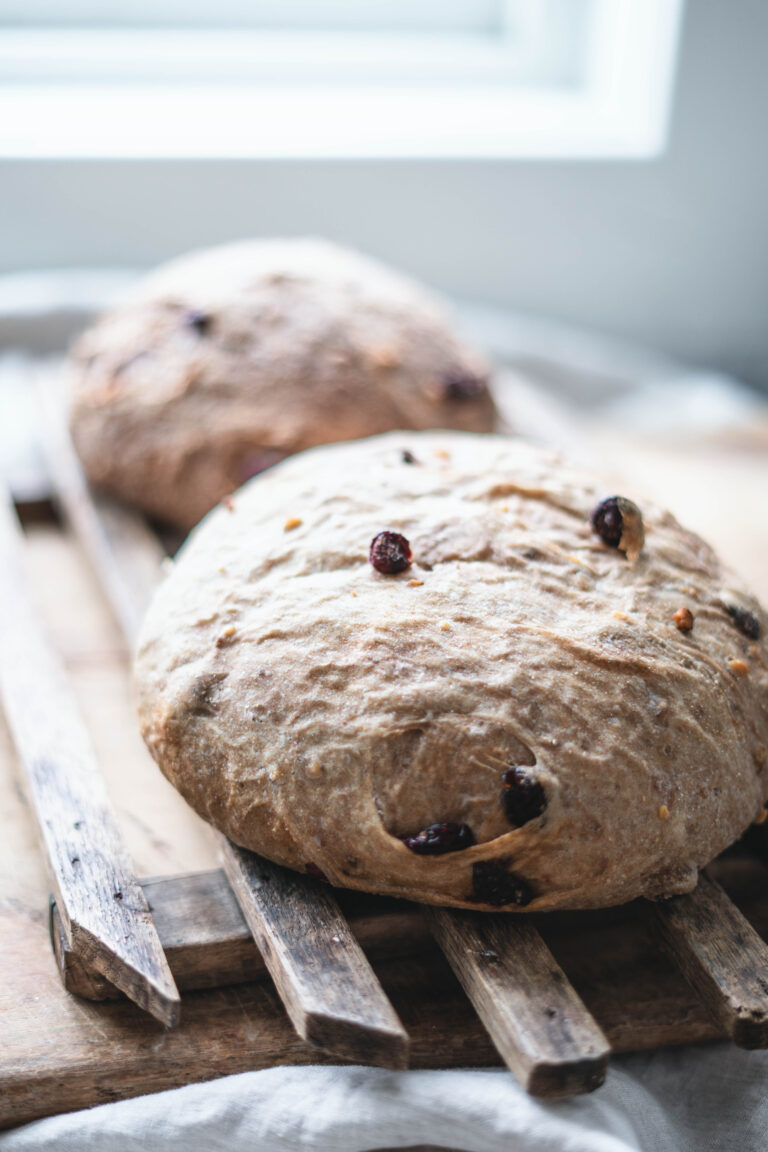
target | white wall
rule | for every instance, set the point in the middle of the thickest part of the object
(672, 252)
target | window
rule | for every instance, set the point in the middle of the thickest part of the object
(324, 78)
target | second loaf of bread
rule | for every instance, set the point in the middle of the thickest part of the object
(227, 360)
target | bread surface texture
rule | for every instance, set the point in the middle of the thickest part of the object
(521, 679)
(227, 360)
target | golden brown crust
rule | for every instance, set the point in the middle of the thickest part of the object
(318, 711)
(227, 360)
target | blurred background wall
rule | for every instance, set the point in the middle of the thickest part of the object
(671, 251)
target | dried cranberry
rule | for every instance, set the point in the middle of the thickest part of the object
(313, 870)
(198, 321)
(440, 838)
(607, 521)
(463, 386)
(746, 621)
(390, 552)
(492, 884)
(524, 798)
(619, 523)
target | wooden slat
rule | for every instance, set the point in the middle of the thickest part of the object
(102, 906)
(123, 552)
(537, 1022)
(722, 957)
(329, 989)
(209, 945)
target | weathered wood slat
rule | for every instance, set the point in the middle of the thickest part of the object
(722, 957)
(102, 906)
(329, 989)
(537, 1022)
(122, 550)
(209, 945)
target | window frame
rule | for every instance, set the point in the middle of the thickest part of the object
(618, 107)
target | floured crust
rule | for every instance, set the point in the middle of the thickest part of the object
(229, 359)
(318, 711)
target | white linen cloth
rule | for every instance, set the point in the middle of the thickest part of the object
(711, 1098)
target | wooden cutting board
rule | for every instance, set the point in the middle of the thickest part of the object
(61, 1053)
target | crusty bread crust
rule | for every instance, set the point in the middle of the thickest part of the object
(318, 711)
(227, 360)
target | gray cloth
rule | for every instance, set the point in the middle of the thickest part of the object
(702, 1099)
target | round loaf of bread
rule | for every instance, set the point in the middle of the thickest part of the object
(504, 701)
(226, 361)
